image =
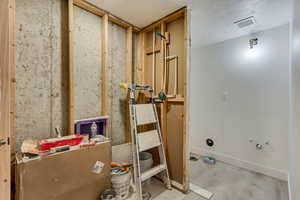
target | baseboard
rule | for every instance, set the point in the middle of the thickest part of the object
(279, 174)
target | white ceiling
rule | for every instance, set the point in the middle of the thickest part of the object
(139, 12)
(212, 20)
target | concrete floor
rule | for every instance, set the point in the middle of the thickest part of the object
(226, 182)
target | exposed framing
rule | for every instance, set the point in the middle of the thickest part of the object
(100, 12)
(129, 76)
(7, 64)
(104, 80)
(183, 100)
(186, 149)
(71, 67)
(8, 81)
(106, 17)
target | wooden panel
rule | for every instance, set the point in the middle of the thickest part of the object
(175, 141)
(6, 62)
(148, 140)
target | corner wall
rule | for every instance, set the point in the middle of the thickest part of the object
(239, 95)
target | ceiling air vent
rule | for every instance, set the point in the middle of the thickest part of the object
(245, 22)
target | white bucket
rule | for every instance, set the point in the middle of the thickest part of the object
(121, 185)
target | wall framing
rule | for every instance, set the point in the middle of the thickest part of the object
(180, 104)
(106, 17)
(8, 81)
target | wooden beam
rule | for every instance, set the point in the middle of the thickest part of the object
(149, 50)
(89, 7)
(6, 63)
(104, 82)
(129, 56)
(186, 122)
(100, 12)
(129, 79)
(142, 58)
(13, 80)
(71, 67)
(163, 111)
(171, 17)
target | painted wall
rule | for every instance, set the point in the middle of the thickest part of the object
(295, 108)
(240, 95)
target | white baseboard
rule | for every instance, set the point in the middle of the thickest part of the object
(279, 174)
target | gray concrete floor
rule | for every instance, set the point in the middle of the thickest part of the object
(226, 182)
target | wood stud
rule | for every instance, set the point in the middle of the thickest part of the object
(71, 67)
(129, 78)
(7, 62)
(186, 122)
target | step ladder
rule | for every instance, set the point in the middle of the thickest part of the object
(141, 115)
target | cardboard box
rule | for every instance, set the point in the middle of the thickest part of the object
(65, 176)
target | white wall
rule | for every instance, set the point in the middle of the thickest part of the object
(237, 95)
(295, 108)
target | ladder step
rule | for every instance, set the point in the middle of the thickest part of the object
(152, 172)
(144, 114)
(148, 140)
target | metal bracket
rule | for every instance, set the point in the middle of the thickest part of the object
(2, 142)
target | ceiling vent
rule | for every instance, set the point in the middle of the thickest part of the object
(245, 22)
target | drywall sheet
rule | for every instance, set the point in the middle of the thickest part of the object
(73, 176)
(41, 68)
(117, 75)
(87, 64)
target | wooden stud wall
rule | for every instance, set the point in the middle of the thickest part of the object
(176, 108)
(106, 17)
(173, 111)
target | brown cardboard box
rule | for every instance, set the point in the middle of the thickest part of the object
(65, 176)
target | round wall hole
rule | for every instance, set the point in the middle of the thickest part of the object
(210, 142)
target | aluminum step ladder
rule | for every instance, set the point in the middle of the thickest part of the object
(141, 115)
